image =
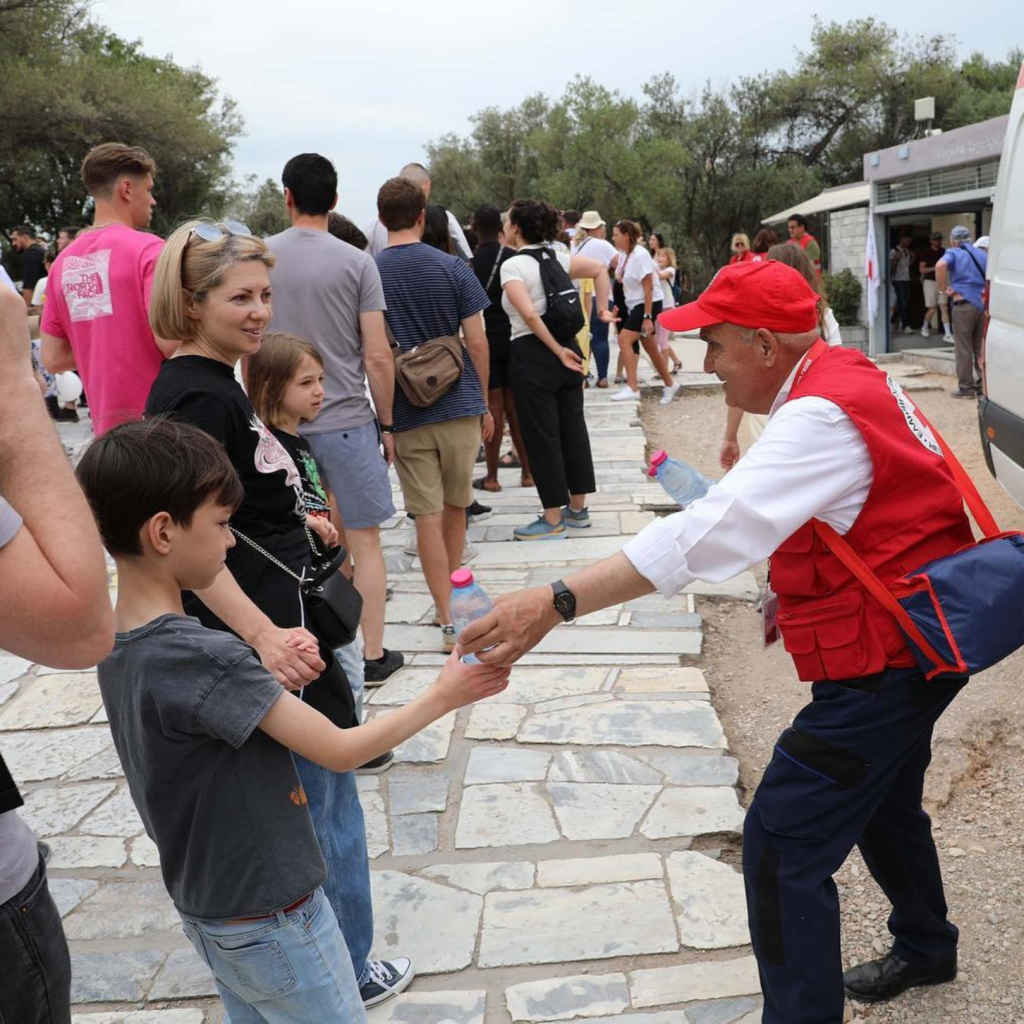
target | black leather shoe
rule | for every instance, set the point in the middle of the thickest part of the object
(887, 978)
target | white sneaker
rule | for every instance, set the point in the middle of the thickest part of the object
(625, 395)
(925, 332)
(468, 552)
(669, 393)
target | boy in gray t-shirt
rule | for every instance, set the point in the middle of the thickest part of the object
(204, 733)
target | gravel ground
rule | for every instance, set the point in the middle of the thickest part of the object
(975, 791)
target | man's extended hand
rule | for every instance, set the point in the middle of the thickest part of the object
(292, 656)
(516, 624)
(729, 455)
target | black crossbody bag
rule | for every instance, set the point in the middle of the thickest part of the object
(331, 603)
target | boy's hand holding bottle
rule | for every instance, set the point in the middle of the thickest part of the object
(461, 683)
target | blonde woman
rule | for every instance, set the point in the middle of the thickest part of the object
(211, 289)
(740, 249)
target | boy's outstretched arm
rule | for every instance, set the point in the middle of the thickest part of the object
(302, 729)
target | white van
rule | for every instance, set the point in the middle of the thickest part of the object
(1001, 410)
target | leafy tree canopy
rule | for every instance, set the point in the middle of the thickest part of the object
(702, 167)
(69, 84)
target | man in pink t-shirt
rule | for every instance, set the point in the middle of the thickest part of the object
(96, 316)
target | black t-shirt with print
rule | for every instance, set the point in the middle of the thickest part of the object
(204, 392)
(313, 490)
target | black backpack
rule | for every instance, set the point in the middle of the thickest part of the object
(564, 317)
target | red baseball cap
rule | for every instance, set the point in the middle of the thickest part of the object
(768, 294)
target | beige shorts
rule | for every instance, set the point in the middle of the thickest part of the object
(435, 464)
(932, 296)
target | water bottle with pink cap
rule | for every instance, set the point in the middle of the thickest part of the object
(469, 602)
(680, 480)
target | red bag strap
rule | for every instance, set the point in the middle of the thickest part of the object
(842, 550)
(982, 516)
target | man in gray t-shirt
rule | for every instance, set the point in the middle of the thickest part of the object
(329, 293)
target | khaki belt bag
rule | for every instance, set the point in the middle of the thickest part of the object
(426, 372)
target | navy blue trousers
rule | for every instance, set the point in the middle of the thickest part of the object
(849, 772)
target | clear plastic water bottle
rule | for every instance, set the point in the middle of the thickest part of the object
(469, 602)
(680, 480)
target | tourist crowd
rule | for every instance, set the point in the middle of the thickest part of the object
(248, 398)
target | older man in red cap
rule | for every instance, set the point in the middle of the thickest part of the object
(843, 447)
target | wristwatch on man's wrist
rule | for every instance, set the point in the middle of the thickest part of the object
(564, 601)
(387, 428)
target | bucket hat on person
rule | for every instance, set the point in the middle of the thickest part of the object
(590, 220)
(771, 295)
(982, 243)
(960, 234)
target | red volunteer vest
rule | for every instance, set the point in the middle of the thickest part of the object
(830, 624)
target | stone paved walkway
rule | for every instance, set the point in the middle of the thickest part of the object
(546, 856)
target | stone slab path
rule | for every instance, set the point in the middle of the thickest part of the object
(550, 855)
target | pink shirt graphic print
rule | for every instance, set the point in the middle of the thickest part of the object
(98, 301)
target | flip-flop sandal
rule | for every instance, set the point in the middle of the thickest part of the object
(481, 483)
(526, 481)
(509, 461)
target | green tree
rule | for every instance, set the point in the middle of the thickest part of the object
(259, 205)
(702, 169)
(70, 84)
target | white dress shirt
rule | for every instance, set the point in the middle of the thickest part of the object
(377, 236)
(810, 462)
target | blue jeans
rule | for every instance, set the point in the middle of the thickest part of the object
(35, 985)
(599, 342)
(337, 815)
(350, 658)
(282, 969)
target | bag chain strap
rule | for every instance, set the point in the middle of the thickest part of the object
(270, 558)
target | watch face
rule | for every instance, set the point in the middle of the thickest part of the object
(565, 604)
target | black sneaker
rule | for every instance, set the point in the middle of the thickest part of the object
(387, 979)
(377, 765)
(378, 670)
(476, 512)
(388, 594)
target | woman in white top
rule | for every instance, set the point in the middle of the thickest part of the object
(795, 257)
(547, 373)
(642, 289)
(590, 241)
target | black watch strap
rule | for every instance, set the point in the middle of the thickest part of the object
(387, 428)
(564, 601)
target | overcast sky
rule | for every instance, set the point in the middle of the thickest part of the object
(369, 84)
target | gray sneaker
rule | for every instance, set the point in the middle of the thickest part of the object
(577, 520)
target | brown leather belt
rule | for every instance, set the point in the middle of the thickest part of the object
(263, 917)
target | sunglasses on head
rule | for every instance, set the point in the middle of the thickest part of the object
(211, 231)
